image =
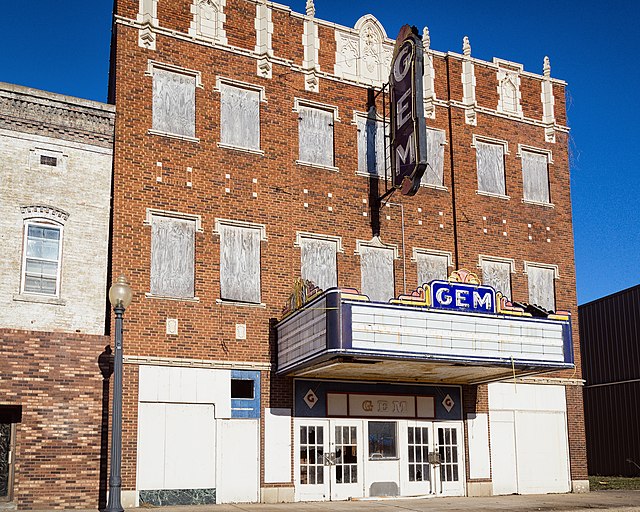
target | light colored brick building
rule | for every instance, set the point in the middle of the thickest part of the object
(244, 160)
(55, 183)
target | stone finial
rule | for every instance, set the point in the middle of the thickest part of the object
(426, 38)
(311, 9)
(466, 47)
(546, 67)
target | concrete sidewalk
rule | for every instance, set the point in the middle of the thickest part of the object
(599, 500)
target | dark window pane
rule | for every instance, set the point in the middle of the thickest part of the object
(303, 475)
(320, 475)
(312, 474)
(382, 440)
(303, 435)
(242, 389)
(312, 435)
(319, 431)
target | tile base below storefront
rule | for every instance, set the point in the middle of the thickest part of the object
(160, 498)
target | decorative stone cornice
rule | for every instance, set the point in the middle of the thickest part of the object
(44, 212)
(54, 115)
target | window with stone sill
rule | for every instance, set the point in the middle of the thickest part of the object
(541, 280)
(434, 174)
(377, 273)
(371, 146)
(42, 254)
(174, 103)
(239, 117)
(318, 259)
(172, 256)
(315, 135)
(431, 266)
(490, 167)
(535, 177)
(497, 274)
(240, 260)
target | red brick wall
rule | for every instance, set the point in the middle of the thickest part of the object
(207, 329)
(56, 380)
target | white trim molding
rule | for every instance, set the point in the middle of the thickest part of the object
(490, 140)
(497, 259)
(154, 64)
(153, 212)
(432, 252)
(376, 243)
(220, 80)
(316, 236)
(532, 149)
(240, 224)
(301, 102)
(556, 272)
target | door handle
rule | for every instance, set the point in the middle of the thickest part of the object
(330, 459)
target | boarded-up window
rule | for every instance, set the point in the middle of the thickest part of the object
(174, 103)
(240, 263)
(376, 266)
(432, 267)
(172, 257)
(434, 175)
(541, 287)
(497, 274)
(535, 177)
(490, 162)
(239, 117)
(371, 142)
(318, 262)
(316, 136)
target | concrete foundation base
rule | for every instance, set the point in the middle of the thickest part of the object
(277, 495)
(579, 486)
(129, 499)
(479, 489)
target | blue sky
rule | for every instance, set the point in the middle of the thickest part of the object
(64, 47)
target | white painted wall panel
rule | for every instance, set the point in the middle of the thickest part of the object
(239, 461)
(478, 432)
(277, 444)
(528, 438)
(151, 453)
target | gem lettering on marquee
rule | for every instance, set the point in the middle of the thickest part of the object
(367, 405)
(383, 406)
(482, 302)
(400, 407)
(460, 298)
(403, 109)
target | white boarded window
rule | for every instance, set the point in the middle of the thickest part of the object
(318, 259)
(371, 142)
(432, 267)
(542, 290)
(41, 260)
(535, 177)
(240, 261)
(316, 136)
(377, 276)
(497, 274)
(239, 117)
(174, 103)
(490, 164)
(172, 257)
(434, 175)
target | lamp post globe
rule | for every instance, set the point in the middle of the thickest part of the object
(120, 295)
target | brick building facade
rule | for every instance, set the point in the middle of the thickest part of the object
(246, 158)
(55, 177)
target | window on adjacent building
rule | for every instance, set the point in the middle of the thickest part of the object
(41, 260)
(371, 143)
(497, 274)
(239, 117)
(172, 257)
(431, 266)
(490, 165)
(535, 176)
(541, 285)
(377, 276)
(315, 135)
(318, 259)
(240, 260)
(434, 174)
(174, 103)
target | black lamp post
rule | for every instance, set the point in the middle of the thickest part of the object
(120, 296)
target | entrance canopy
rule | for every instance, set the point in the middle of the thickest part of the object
(339, 334)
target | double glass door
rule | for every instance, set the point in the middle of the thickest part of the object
(334, 461)
(329, 459)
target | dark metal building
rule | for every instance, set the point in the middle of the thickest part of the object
(610, 347)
